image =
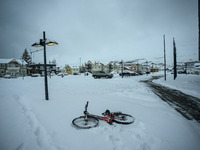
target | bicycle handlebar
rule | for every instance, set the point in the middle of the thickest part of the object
(86, 107)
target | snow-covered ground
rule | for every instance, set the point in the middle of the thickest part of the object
(29, 122)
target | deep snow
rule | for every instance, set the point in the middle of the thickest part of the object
(28, 122)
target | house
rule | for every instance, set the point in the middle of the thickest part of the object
(68, 69)
(97, 67)
(109, 67)
(197, 68)
(12, 67)
(39, 69)
(75, 70)
(193, 67)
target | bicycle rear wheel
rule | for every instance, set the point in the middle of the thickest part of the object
(83, 123)
(124, 119)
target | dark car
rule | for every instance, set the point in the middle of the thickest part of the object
(141, 72)
(100, 74)
(127, 73)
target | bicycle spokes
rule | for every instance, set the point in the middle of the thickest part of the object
(83, 123)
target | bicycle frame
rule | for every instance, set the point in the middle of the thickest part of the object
(107, 117)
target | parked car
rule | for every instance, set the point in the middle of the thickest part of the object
(35, 75)
(62, 74)
(181, 71)
(100, 74)
(76, 73)
(128, 73)
(7, 76)
(87, 73)
(141, 72)
(52, 74)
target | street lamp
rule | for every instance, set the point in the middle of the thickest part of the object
(122, 68)
(43, 43)
(22, 68)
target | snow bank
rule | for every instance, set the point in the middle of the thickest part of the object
(28, 122)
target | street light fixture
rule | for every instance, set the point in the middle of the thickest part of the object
(51, 43)
(43, 43)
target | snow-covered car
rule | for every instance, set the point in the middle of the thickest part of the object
(7, 76)
(62, 74)
(128, 73)
(52, 74)
(87, 73)
(35, 75)
(141, 72)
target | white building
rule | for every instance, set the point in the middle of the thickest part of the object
(75, 70)
(12, 67)
(97, 67)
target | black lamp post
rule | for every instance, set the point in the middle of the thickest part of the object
(44, 43)
(122, 68)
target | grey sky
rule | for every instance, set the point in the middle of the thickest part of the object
(100, 30)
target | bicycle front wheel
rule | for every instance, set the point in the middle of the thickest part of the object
(83, 123)
(124, 119)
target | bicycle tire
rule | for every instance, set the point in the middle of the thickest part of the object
(83, 123)
(124, 119)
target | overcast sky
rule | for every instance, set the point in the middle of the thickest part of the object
(100, 30)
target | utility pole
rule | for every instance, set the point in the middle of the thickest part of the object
(164, 58)
(199, 25)
(80, 67)
(174, 49)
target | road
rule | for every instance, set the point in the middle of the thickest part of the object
(186, 105)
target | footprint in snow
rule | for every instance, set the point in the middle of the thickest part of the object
(21, 147)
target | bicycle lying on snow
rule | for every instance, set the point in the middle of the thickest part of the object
(89, 120)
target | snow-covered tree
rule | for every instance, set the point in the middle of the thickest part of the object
(54, 61)
(26, 57)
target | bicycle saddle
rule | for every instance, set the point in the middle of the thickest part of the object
(107, 112)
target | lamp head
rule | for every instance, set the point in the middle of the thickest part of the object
(51, 43)
(36, 44)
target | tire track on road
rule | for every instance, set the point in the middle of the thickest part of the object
(186, 105)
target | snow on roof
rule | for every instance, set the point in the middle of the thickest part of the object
(6, 61)
(74, 67)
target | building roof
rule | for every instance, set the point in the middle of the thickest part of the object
(74, 67)
(6, 61)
